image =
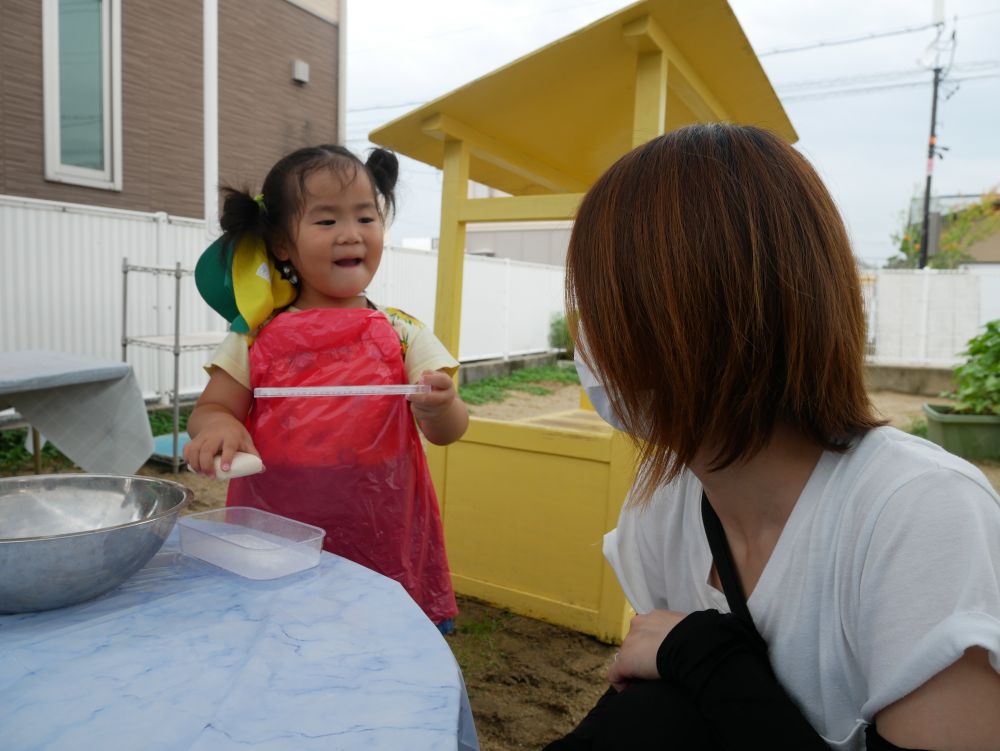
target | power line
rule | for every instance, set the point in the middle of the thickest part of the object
(866, 89)
(848, 40)
(981, 13)
(974, 65)
(870, 77)
(397, 105)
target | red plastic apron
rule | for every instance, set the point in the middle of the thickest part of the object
(351, 465)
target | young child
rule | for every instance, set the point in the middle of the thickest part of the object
(351, 465)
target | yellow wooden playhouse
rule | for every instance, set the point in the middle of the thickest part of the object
(525, 504)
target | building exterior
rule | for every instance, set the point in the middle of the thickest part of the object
(979, 215)
(987, 249)
(534, 242)
(542, 242)
(104, 102)
(118, 122)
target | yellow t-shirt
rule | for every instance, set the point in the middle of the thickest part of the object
(421, 349)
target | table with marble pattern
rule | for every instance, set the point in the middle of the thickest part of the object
(185, 655)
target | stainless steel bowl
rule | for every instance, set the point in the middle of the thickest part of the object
(68, 538)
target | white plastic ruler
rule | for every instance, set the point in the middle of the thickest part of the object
(386, 390)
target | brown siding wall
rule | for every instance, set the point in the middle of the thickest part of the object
(987, 251)
(263, 114)
(161, 108)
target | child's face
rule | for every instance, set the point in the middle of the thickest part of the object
(338, 241)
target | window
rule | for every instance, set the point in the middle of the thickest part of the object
(82, 60)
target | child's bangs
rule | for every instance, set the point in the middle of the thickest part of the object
(342, 168)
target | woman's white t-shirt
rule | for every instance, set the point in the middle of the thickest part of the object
(887, 570)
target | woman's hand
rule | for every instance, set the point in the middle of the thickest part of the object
(442, 416)
(636, 660)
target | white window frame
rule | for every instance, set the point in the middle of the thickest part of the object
(110, 178)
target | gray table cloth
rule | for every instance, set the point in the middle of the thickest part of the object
(89, 408)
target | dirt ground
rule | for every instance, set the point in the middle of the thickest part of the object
(528, 681)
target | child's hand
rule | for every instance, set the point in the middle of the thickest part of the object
(222, 438)
(436, 402)
(216, 425)
(441, 414)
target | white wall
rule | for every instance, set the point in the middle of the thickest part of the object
(926, 317)
(61, 289)
(61, 285)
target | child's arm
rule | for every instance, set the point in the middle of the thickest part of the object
(441, 414)
(216, 424)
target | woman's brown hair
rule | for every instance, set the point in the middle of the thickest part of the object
(718, 295)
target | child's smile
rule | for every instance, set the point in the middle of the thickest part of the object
(338, 240)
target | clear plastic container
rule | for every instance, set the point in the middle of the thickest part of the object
(250, 542)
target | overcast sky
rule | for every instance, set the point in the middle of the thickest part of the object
(870, 147)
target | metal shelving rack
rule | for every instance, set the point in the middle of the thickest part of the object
(176, 343)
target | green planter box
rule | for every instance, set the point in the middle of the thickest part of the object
(968, 436)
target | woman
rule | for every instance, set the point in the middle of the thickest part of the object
(720, 307)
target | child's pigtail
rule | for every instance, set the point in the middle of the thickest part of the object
(242, 213)
(383, 166)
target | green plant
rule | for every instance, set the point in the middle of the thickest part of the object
(475, 647)
(14, 457)
(162, 421)
(485, 627)
(917, 427)
(528, 380)
(978, 379)
(559, 337)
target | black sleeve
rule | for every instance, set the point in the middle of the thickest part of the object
(722, 665)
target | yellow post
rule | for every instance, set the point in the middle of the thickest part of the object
(451, 259)
(451, 245)
(615, 613)
(650, 113)
(649, 118)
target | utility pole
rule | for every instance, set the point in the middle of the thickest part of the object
(931, 151)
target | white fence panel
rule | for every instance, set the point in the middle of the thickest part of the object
(486, 309)
(506, 305)
(989, 292)
(535, 296)
(407, 279)
(62, 289)
(925, 317)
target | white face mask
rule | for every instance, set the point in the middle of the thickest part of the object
(594, 389)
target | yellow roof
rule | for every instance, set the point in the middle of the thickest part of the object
(566, 109)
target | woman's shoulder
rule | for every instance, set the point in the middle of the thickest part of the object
(887, 463)
(672, 509)
(898, 493)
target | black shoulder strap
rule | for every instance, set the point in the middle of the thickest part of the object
(731, 586)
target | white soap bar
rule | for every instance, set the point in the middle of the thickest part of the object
(243, 464)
